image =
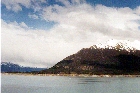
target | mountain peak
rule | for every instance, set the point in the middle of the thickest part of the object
(118, 45)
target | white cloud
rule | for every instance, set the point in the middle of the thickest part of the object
(33, 16)
(84, 18)
(74, 2)
(79, 25)
(37, 5)
(16, 5)
(32, 47)
(138, 10)
(22, 24)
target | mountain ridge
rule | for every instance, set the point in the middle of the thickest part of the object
(8, 67)
(95, 60)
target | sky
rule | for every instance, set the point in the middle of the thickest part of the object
(40, 33)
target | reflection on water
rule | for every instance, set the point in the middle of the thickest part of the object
(61, 84)
(91, 80)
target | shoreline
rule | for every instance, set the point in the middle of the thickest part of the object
(73, 75)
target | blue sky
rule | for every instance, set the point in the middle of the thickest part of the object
(43, 32)
(117, 3)
(22, 16)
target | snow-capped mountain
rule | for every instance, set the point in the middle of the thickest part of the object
(11, 67)
(111, 58)
(119, 44)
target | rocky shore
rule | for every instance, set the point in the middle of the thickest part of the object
(75, 75)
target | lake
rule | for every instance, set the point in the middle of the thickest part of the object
(68, 84)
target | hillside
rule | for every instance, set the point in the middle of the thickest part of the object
(11, 67)
(96, 60)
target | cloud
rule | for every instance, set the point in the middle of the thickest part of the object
(79, 25)
(32, 47)
(84, 18)
(16, 5)
(22, 24)
(138, 10)
(69, 2)
(33, 16)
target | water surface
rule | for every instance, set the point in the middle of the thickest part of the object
(67, 84)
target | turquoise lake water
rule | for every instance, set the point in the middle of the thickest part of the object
(67, 84)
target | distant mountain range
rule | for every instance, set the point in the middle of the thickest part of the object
(118, 59)
(11, 67)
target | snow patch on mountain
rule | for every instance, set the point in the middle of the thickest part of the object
(119, 44)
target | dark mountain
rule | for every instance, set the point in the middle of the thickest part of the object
(95, 60)
(11, 67)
